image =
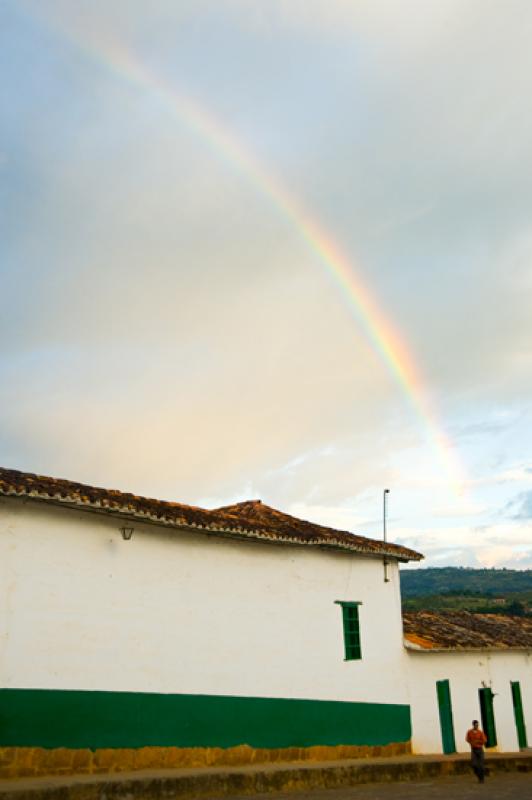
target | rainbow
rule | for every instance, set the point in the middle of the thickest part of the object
(379, 330)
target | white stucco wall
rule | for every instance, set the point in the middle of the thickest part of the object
(187, 613)
(467, 672)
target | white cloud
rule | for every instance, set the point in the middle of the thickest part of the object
(505, 544)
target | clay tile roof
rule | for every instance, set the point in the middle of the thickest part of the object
(463, 630)
(251, 520)
(254, 511)
(25, 484)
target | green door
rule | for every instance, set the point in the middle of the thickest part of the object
(485, 697)
(446, 716)
(518, 714)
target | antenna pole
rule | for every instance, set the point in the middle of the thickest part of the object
(385, 562)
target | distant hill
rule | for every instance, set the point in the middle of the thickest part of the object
(464, 581)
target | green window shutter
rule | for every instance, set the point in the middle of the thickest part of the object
(443, 691)
(487, 715)
(518, 714)
(353, 651)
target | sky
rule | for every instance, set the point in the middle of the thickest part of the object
(276, 250)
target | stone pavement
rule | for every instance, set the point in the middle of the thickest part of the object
(405, 777)
(506, 786)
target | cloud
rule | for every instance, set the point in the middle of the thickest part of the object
(521, 506)
(503, 544)
(433, 162)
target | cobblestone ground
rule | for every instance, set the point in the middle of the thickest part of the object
(502, 786)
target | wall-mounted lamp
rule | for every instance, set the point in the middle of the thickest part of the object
(127, 533)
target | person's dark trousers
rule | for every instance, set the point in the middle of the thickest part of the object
(477, 762)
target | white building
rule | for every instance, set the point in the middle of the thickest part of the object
(136, 632)
(462, 666)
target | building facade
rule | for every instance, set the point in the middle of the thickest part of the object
(137, 633)
(203, 632)
(464, 666)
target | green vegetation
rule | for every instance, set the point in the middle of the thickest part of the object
(486, 591)
(442, 580)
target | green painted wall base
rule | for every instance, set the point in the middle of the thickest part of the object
(84, 719)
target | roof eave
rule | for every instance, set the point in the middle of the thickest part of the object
(240, 532)
(449, 650)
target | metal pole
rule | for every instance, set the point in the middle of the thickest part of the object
(385, 492)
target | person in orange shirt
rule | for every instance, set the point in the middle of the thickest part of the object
(476, 740)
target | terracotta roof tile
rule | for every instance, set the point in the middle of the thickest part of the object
(254, 511)
(248, 520)
(459, 630)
